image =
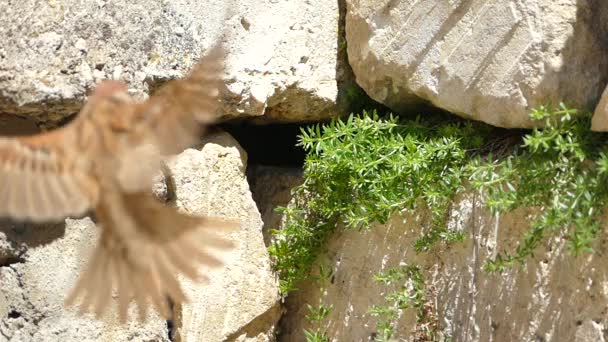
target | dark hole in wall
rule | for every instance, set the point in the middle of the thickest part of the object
(270, 145)
(275, 144)
(171, 330)
(14, 314)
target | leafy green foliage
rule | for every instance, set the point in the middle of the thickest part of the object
(316, 317)
(412, 294)
(554, 173)
(315, 336)
(362, 170)
(319, 313)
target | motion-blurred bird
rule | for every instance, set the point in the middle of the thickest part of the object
(105, 160)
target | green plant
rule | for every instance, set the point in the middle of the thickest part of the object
(315, 336)
(316, 317)
(319, 313)
(364, 169)
(561, 170)
(360, 171)
(411, 294)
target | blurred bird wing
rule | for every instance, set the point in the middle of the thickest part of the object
(171, 120)
(40, 182)
(173, 117)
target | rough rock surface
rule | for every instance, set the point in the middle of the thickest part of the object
(285, 59)
(554, 297)
(487, 60)
(241, 302)
(282, 54)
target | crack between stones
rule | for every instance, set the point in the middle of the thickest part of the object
(260, 322)
(37, 316)
(12, 260)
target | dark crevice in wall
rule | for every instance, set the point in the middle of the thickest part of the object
(171, 330)
(14, 314)
(271, 145)
(11, 260)
(259, 325)
(11, 125)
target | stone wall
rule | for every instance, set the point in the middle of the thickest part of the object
(553, 297)
(282, 55)
(486, 60)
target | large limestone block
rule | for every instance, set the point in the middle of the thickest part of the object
(553, 297)
(281, 54)
(241, 301)
(285, 59)
(42, 268)
(486, 60)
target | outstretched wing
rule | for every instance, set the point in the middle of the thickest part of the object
(173, 118)
(170, 121)
(41, 180)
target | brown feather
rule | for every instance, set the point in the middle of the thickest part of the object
(27, 169)
(124, 290)
(174, 114)
(143, 239)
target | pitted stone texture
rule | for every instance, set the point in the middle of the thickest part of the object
(281, 54)
(285, 59)
(555, 296)
(53, 52)
(241, 301)
(487, 60)
(34, 285)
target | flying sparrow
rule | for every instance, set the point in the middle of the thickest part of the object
(105, 160)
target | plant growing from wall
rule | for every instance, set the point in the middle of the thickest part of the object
(562, 171)
(362, 170)
(319, 313)
(411, 293)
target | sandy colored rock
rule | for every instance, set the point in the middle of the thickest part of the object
(34, 284)
(271, 188)
(491, 61)
(554, 297)
(284, 59)
(599, 122)
(241, 301)
(281, 54)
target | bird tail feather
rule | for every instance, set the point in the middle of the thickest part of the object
(142, 246)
